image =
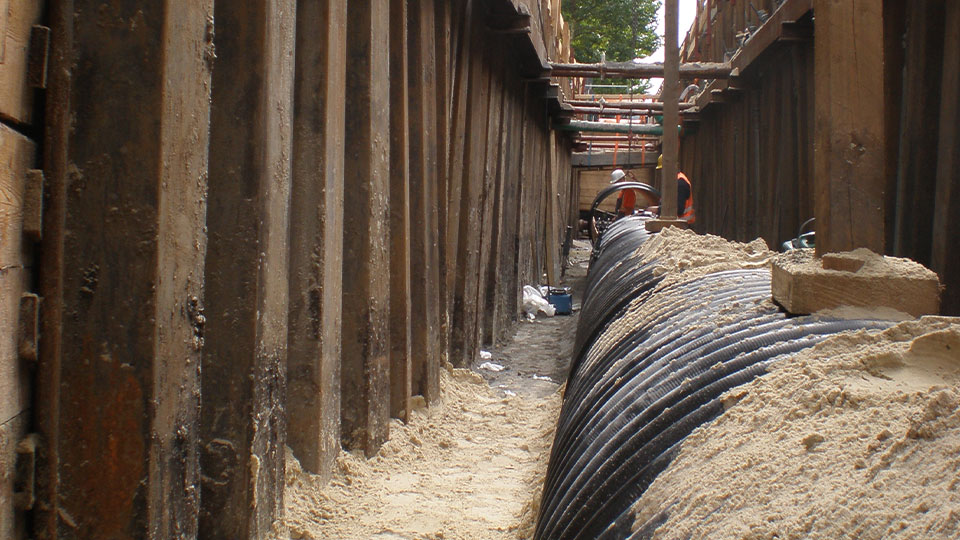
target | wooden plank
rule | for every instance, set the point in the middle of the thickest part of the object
(127, 245)
(946, 225)
(670, 95)
(316, 238)
(401, 361)
(770, 32)
(16, 95)
(365, 374)
(12, 521)
(17, 154)
(857, 279)
(849, 143)
(247, 270)
(423, 203)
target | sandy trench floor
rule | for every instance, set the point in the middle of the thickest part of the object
(468, 467)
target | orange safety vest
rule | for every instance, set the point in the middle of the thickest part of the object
(688, 214)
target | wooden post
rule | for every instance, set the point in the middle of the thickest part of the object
(849, 125)
(122, 272)
(401, 358)
(243, 426)
(316, 237)
(946, 226)
(365, 373)
(671, 112)
(17, 155)
(423, 200)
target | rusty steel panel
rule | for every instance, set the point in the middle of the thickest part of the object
(365, 369)
(316, 240)
(126, 174)
(243, 423)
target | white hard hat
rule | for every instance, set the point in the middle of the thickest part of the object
(617, 175)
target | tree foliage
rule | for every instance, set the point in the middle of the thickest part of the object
(624, 29)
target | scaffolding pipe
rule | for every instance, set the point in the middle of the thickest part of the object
(606, 127)
(642, 105)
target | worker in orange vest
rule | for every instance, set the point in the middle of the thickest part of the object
(684, 195)
(627, 200)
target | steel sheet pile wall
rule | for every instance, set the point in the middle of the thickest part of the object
(652, 359)
(885, 124)
(265, 224)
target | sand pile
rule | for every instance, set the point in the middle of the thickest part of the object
(858, 437)
(684, 253)
(469, 467)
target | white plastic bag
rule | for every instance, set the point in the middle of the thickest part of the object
(534, 302)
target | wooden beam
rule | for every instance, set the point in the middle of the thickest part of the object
(16, 95)
(17, 349)
(117, 402)
(243, 426)
(365, 373)
(631, 70)
(857, 279)
(610, 127)
(316, 237)
(849, 126)
(606, 159)
(671, 116)
(778, 27)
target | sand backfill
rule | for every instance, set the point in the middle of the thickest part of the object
(858, 437)
(469, 467)
(682, 254)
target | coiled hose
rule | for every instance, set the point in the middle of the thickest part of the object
(650, 365)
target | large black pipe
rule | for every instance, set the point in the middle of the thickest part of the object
(650, 365)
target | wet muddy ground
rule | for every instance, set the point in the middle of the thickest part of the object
(536, 359)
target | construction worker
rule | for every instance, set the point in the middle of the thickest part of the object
(684, 195)
(627, 199)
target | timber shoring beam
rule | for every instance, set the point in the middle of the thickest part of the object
(849, 116)
(631, 105)
(610, 127)
(630, 70)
